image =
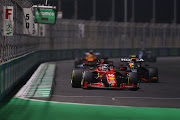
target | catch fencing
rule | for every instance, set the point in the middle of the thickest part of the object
(18, 44)
(82, 34)
(70, 34)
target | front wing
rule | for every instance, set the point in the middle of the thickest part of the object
(101, 85)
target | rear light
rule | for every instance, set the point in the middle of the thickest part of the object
(154, 78)
(144, 79)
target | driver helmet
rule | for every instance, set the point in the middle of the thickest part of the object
(91, 52)
(133, 58)
(105, 67)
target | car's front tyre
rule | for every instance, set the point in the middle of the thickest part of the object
(76, 78)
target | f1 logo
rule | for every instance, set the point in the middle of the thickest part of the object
(8, 21)
(8, 13)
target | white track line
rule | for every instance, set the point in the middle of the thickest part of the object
(39, 89)
(70, 102)
(118, 97)
(113, 98)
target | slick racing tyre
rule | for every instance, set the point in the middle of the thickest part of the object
(86, 77)
(153, 75)
(133, 79)
(77, 61)
(76, 78)
(119, 78)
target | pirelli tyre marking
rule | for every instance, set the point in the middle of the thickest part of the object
(128, 78)
(72, 77)
(82, 81)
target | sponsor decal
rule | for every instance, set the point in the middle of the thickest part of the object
(125, 59)
(128, 60)
(96, 85)
(129, 86)
(45, 13)
(111, 78)
(140, 60)
(111, 75)
(112, 81)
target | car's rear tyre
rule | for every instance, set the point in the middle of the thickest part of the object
(76, 78)
(153, 73)
(133, 79)
(119, 79)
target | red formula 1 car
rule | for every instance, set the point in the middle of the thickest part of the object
(104, 76)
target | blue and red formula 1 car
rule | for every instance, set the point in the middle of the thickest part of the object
(145, 74)
(104, 76)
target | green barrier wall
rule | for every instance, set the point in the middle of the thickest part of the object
(14, 70)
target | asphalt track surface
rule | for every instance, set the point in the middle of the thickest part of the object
(165, 94)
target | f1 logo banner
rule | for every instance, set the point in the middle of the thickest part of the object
(8, 21)
(28, 22)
